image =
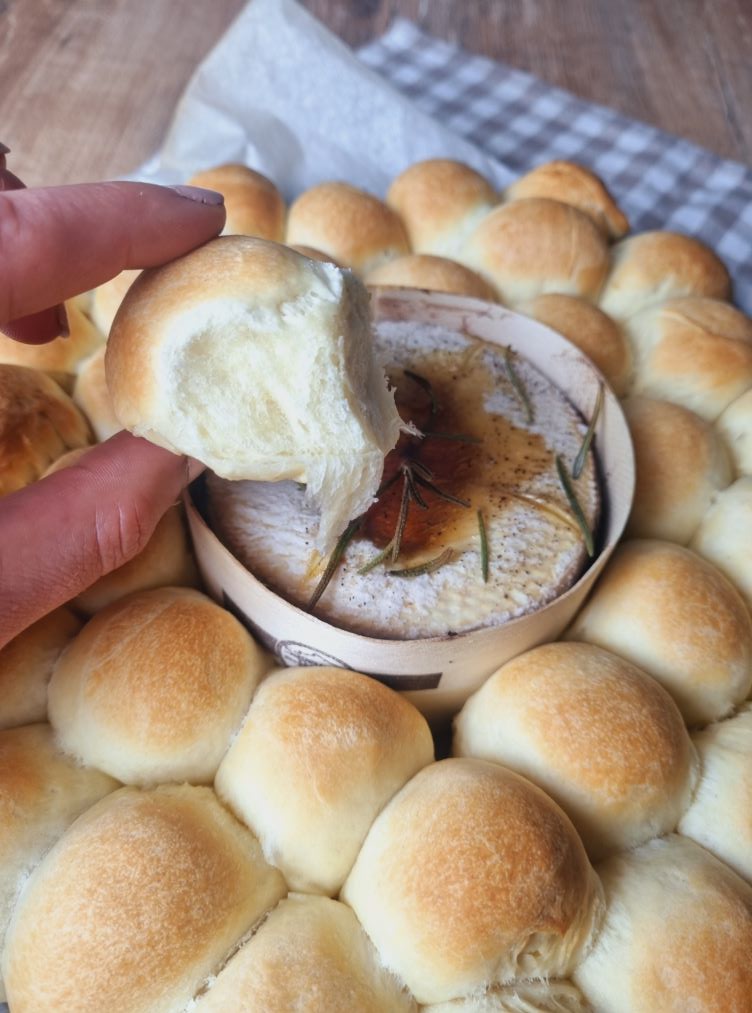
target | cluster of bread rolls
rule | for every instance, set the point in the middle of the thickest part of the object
(184, 827)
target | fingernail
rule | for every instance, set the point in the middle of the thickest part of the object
(62, 320)
(200, 195)
(4, 149)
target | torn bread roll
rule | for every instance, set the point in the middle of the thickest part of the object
(58, 358)
(601, 737)
(591, 330)
(137, 904)
(336, 746)
(695, 352)
(472, 877)
(259, 363)
(525, 997)
(573, 184)
(26, 665)
(534, 246)
(435, 274)
(724, 536)
(253, 204)
(736, 426)
(41, 793)
(653, 266)
(681, 465)
(441, 202)
(38, 423)
(720, 816)
(353, 227)
(676, 937)
(676, 616)
(92, 395)
(311, 956)
(154, 687)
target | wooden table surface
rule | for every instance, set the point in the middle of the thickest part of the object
(87, 87)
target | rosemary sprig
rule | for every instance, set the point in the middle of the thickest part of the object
(459, 437)
(334, 560)
(519, 387)
(579, 461)
(428, 484)
(424, 385)
(566, 484)
(483, 546)
(410, 477)
(378, 558)
(427, 567)
(401, 520)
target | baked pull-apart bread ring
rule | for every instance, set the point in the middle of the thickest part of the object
(441, 202)
(573, 184)
(60, 357)
(436, 274)
(473, 877)
(253, 203)
(534, 246)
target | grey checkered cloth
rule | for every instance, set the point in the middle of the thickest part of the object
(660, 181)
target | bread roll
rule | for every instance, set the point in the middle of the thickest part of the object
(253, 204)
(681, 464)
(353, 227)
(336, 746)
(677, 934)
(313, 254)
(154, 686)
(106, 299)
(591, 330)
(471, 877)
(695, 352)
(60, 357)
(720, 817)
(724, 536)
(676, 616)
(573, 184)
(91, 394)
(38, 423)
(258, 362)
(26, 665)
(530, 247)
(603, 739)
(41, 793)
(437, 274)
(311, 956)
(141, 900)
(441, 202)
(526, 997)
(735, 425)
(653, 266)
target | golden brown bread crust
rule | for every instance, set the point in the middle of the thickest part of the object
(676, 616)
(676, 937)
(436, 274)
(336, 745)
(154, 686)
(735, 424)
(60, 357)
(681, 464)
(38, 423)
(353, 227)
(106, 299)
(575, 185)
(605, 741)
(313, 254)
(591, 330)
(26, 665)
(439, 201)
(253, 203)
(472, 876)
(694, 351)
(132, 909)
(534, 246)
(654, 266)
(92, 396)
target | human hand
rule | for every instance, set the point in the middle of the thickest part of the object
(61, 534)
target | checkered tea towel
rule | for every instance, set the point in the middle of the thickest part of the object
(660, 181)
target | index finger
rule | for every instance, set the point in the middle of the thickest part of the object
(58, 241)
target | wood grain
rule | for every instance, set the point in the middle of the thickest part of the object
(87, 87)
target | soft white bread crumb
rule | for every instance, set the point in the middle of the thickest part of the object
(258, 362)
(526, 997)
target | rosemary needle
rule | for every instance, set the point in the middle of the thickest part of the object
(519, 387)
(378, 558)
(427, 567)
(424, 385)
(579, 461)
(334, 560)
(483, 547)
(566, 484)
